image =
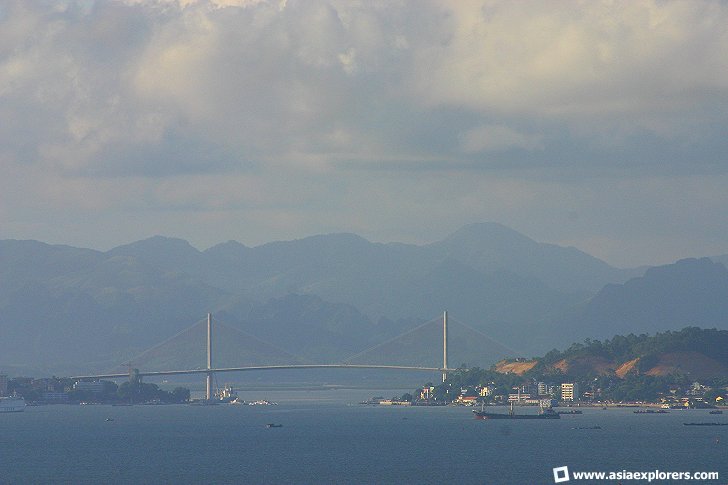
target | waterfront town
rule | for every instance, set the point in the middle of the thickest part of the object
(663, 370)
(547, 394)
(502, 390)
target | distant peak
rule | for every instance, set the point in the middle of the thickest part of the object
(492, 231)
(685, 266)
(166, 240)
(337, 238)
(341, 236)
(227, 248)
(231, 244)
(158, 242)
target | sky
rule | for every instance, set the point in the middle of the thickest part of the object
(600, 125)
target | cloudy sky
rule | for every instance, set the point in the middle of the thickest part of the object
(602, 125)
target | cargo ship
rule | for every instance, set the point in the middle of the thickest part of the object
(12, 404)
(543, 413)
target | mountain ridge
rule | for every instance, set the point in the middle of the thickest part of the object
(690, 291)
(70, 307)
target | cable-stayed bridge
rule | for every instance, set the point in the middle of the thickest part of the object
(384, 356)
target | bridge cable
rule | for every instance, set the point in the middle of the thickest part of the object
(217, 324)
(347, 360)
(166, 341)
(479, 332)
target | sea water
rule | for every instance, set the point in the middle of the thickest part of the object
(327, 437)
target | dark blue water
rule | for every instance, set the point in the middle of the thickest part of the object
(327, 439)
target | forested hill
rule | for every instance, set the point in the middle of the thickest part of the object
(692, 351)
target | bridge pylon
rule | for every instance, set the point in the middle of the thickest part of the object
(208, 387)
(444, 345)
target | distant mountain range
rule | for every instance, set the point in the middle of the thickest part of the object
(327, 297)
(690, 292)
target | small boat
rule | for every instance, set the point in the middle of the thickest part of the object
(651, 411)
(588, 427)
(273, 425)
(716, 411)
(109, 419)
(571, 411)
(705, 424)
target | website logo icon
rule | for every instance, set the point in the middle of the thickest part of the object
(561, 474)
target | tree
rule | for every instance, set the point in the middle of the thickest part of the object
(713, 394)
(180, 395)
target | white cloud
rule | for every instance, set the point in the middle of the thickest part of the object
(125, 104)
(576, 59)
(274, 82)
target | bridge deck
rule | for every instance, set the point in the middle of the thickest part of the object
(265, 367)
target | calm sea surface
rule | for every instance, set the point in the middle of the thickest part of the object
(327, 438)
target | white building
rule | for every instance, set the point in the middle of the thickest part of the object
(569, 391)
(486, 390)
(543, 389)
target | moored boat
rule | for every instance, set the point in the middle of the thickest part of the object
(544, 413)
(12, 404)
